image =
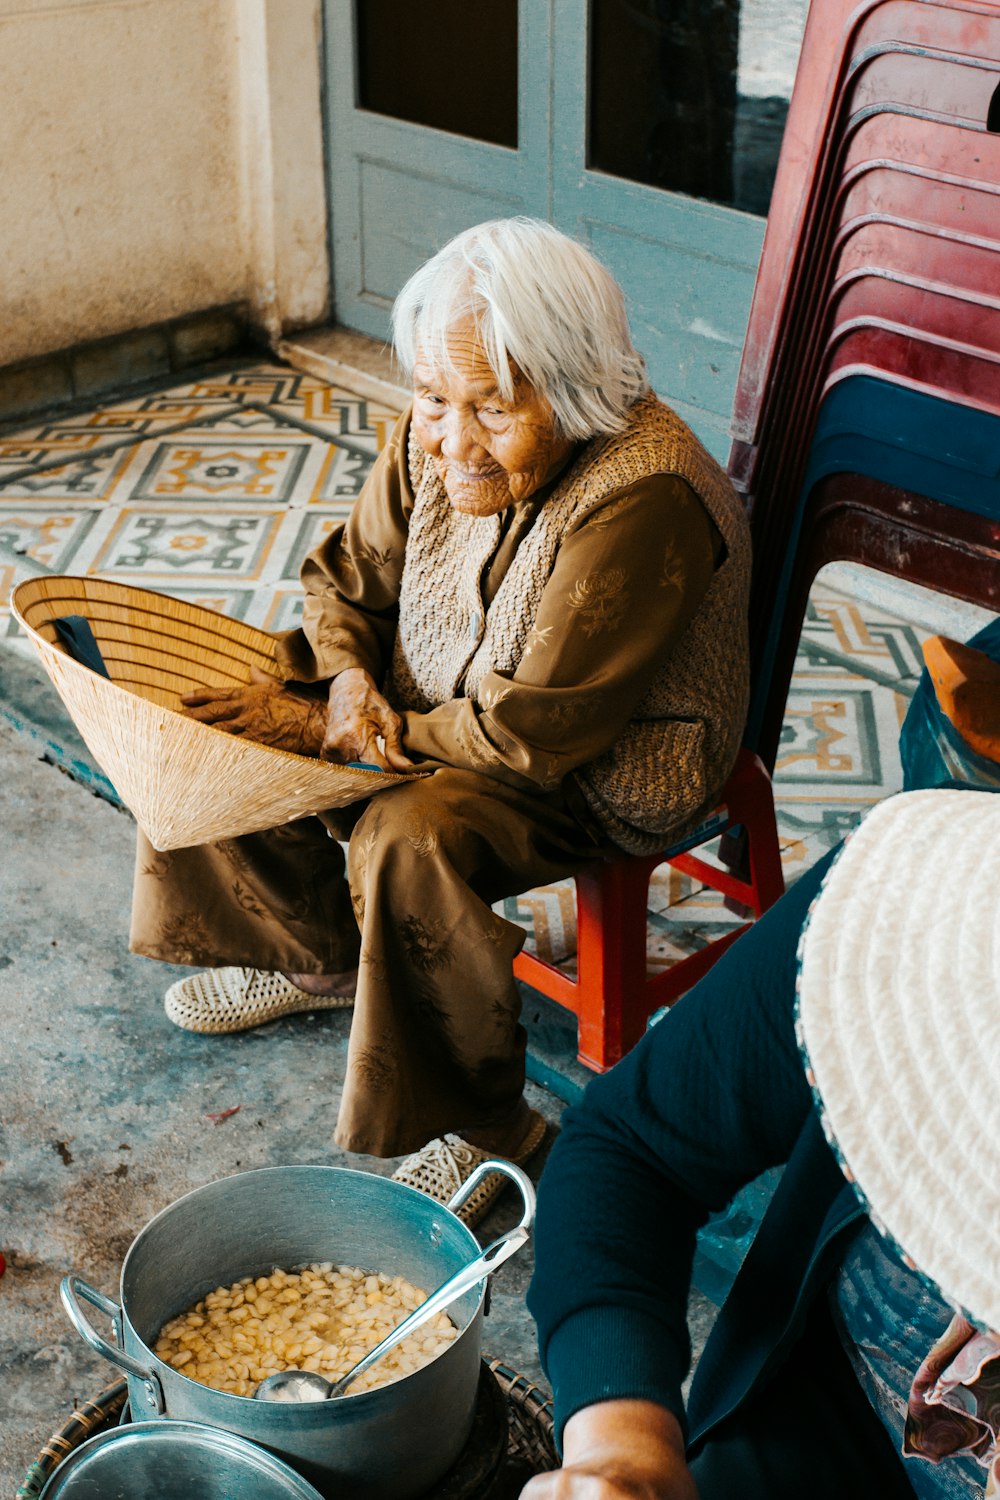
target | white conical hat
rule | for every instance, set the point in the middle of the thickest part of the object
(899, 1024)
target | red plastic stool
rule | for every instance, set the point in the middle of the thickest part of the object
(612, 996)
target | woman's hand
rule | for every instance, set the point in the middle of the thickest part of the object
(266, 711)
(361, 725)
(619, 1450)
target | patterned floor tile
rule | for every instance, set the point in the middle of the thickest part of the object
(861, 639)
(686, 928)
(838, 734)
(114, 423)
(94, 478)
(548, 915)
(266, 450)
(341, 476)
(262, 608)
(816, 834)
(305, 399)
(334, 468)
(150, 543)
(254, 397)
(334, 413)
(49, 536)
(253, 381)
(109, 427)
(284, 611)
(193, 469)
(256, 421)
(236, 602)
(178, 506)
(313, 528)
(668, 887)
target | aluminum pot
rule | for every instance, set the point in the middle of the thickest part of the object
(388, 1444)
(174, 1458)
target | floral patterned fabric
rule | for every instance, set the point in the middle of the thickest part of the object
(888, 1318)
(955, 1400)
(435, 1042)
(624, 586)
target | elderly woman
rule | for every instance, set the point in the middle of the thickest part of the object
(539, 598)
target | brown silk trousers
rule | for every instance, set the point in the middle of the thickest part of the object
(436, 1043)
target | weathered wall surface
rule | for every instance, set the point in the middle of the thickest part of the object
(281, 161)
(157, 157)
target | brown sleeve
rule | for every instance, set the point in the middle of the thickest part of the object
(352, 578)
(625, 584)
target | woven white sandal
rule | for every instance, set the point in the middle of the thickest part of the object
(439, 1169)
(218, 1001)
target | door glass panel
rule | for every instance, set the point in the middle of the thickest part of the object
(449, 65)
(691, 95)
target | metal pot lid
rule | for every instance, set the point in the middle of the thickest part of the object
(174, 1459)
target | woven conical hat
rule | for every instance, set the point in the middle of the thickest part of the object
(899, 1022)
(186, 783)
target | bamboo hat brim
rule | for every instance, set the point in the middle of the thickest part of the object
(899, 1024)
(186, 783)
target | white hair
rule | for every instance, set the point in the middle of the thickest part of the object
(539, 299)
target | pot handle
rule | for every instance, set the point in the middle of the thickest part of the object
(520, 1179)
(72, 1288)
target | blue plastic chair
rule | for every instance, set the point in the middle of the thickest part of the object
(942, 462)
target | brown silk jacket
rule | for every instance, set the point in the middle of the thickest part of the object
(592, 637)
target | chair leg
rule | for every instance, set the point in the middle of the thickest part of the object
(612, 997)
(612, 1000)
(767, 878)
(734, 853)
(751, 806)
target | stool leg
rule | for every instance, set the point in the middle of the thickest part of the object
(734, 853)
(612, 1005)
(750, 801)
(766, 874)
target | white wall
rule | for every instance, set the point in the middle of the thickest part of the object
(157, 157)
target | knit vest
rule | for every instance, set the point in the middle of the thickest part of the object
(679, 746)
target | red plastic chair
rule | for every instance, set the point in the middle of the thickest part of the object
(914, 251)
(928, 309)
(954, 88)
(920, 142)
(612, 995)
(915, 195)
(882, 61)
(923, 363)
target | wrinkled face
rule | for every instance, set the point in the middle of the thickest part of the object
(490, 453)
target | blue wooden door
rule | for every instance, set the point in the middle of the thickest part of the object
(628, 123)
(438, 119)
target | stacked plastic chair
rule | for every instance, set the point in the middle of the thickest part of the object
(867, 414)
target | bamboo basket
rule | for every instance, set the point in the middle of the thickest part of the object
(89, 1418)
(185, 783)
(530, 1442)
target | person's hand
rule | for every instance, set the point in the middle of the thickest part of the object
(361, 725)
(619, 1450)
(264, 710)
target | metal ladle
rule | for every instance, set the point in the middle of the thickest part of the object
(308, 1385)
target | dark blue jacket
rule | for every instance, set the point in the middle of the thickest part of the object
(714, 1094)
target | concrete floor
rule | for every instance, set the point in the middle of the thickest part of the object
(106, 1104)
